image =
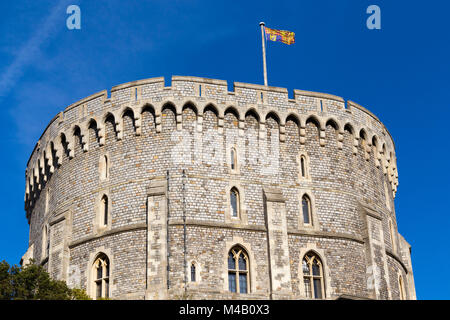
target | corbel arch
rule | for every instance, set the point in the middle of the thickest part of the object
(111, 118)
(234, 110)
(376, 150)
(189, 105)
(211, 107)
(151, 110)
(131, 113)
(318, 123)
(66, 144)
(78, 137)
(169, 105)
(335, 124)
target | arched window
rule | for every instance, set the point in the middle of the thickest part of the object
(101, 276)
(234, 203)
(306, 210)
(233, 158)
(238, 270)
(303, 166)
(193, 270)
(104, 210)
(401, 288)
(313, 276)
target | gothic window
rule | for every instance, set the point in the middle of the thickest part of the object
(101, 276)
(104, 210)
(238, 270)
(306, 210)
(234, 203)
(313, 276)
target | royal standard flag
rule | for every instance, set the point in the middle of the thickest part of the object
(284, 36)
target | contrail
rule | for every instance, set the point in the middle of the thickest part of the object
(31, 48)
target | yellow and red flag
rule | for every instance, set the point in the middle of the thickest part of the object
(287, 37)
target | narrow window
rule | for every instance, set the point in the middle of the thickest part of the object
(313, 276)
(48, 242)
(47, 198)
(233, 158)
(306, 210)
(105, 159)
(101, 276)
(401, 288)
(262, 98)
(45, 242)
(234, 203)
(104, 167)
(193, 279)
(392, 235)
(104, 209)
(200, 90)
(238, 270)
(303, 166)
(135, 94)
(386, 195)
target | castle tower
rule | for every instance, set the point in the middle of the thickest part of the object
(195, 191)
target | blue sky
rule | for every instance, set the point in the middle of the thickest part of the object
(400, 73)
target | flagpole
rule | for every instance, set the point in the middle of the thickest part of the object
(262, 24)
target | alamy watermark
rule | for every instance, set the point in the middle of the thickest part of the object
(209, 147)
(74, 277)
(373, 278)
(74, 20)
(374, 20)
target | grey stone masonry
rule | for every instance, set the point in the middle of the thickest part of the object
(162, 184)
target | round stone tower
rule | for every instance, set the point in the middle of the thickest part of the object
(194, 191)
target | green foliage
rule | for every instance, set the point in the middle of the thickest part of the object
(79, 294)
(5, 283)
(32, 282)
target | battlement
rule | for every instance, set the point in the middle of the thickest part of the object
(324, 109)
